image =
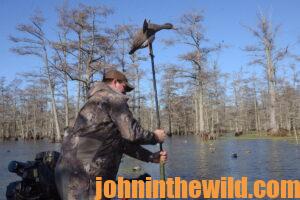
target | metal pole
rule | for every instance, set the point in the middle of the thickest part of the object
(162, 165)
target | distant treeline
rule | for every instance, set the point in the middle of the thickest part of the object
(196, 97)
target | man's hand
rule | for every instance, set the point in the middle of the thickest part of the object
(160, 156)
(160, 135)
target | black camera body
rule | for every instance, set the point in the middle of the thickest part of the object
(38, 180)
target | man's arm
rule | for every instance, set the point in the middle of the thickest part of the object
(136, 151)
(129, 128)
(140, 153)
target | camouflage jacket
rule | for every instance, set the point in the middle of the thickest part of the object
(104, 129)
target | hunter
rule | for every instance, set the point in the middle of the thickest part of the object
(104, 129)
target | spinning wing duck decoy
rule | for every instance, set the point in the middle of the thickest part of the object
(146, 35)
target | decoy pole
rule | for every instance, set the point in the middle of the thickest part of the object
(142, 39)
(158, 125)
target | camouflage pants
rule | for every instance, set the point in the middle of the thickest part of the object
(73, 185)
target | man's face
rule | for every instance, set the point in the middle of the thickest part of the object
(120, 86)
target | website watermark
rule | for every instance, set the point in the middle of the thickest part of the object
(225, 188)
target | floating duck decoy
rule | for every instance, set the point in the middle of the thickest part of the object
(248, 151)
(136, 168)
(234, 155)
(146, 35)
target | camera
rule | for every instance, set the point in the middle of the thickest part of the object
(38, 180)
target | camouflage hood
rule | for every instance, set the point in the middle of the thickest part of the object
(100, 87)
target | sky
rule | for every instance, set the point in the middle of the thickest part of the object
(223, 22)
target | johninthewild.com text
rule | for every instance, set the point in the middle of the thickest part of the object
(225, 187)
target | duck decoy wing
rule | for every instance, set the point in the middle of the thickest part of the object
(145, 26)
(138, 40)
(148, 41)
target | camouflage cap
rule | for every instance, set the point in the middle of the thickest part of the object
(115, 74)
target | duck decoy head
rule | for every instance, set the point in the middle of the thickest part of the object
(168, 26)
